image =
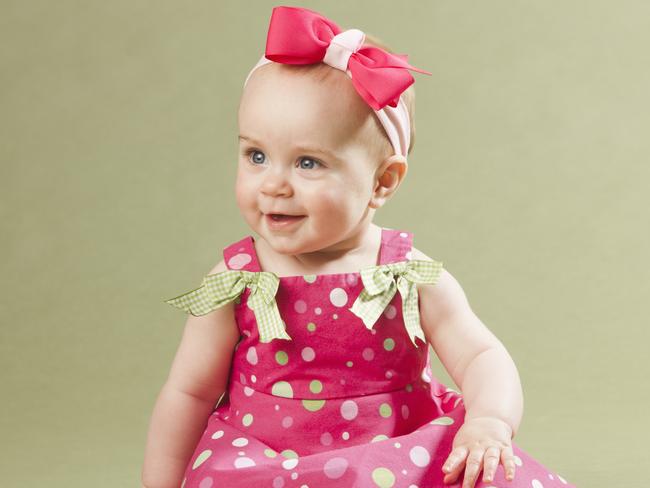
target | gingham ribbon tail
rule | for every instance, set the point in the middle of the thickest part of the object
(382, 282)
(220, 288)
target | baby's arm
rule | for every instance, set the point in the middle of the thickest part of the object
(197, 379)
(472, 355)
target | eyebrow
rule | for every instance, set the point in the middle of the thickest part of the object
(305, 148)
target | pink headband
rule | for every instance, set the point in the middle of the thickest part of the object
(301, 36)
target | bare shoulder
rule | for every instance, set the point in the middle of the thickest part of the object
(443, 299)
(450, 325)
(202, 362)
(220, 266)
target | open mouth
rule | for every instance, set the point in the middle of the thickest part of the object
(281, 217)
(278, 221)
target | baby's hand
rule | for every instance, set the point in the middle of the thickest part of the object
(481, 437)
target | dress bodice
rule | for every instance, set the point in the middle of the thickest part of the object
(327, 339)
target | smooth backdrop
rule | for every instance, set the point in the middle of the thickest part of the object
(529, 180)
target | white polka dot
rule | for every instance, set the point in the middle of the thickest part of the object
(240, 442)
(290, 463)
(345, 435)
(419, 456)
(390, 312)
(352, 279)
(561, 479)
(241, 453)
(349, 409)
(338, 297)
(287, 422)
(368, 354)
(537, 484)
(251, 355)
(242, 378)
(248, 391)
(308, 354)
(397, 445)
(244, 462)
(318, 311)
(294, 475)
(278, 482)
(335, 467)
(335, 316)
(518, 461)
(205, 483)
(550, 476)
(277, 407)
(238, 261)
(218, 434)
(403, 234)
(390, 373)
(326, 439)
(405, 411)
(404, 471)
(254, 378)
(300, 306)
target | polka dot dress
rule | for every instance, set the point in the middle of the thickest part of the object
(339, 405)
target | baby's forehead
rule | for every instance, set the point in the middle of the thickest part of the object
(313, 99)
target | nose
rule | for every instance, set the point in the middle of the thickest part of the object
(277, 182)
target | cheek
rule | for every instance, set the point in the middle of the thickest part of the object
(243, 193)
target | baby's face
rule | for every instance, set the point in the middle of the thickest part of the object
(303, 153)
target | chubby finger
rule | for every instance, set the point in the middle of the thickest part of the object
(473, 466)
(455, 464)
(490, 462)
(508, 461)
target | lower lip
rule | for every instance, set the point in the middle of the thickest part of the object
(282, 223)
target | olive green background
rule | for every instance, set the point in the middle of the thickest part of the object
(529, 180)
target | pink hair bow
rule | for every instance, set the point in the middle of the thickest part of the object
(301, 36)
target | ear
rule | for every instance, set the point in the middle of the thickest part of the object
(387, 179)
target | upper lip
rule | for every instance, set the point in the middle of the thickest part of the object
(283, 213)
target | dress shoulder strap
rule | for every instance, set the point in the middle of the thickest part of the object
(241, 255)
(395, 246)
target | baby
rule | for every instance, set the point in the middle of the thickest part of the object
(312, 339)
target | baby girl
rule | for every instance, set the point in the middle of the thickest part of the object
(305, 356)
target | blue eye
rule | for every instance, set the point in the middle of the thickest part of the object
(309, 159)
(255, 160)
(258, 158)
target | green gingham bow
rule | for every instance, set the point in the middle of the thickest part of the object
(220, 288)
(380, 288)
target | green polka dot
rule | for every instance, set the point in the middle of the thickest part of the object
(201, 458)
(247, 419)
(442, 421)
(270, 453)
(309, 278)
(389, 344)
(311, 327)
(380, 437)
(282, 389)
(409, 387)
(313, 405)
(289, 454)
(281, 357)
(349, 364)
(383, 477)
(315, 386)
(385, 410)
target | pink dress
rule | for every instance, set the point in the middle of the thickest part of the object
(339, 405)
